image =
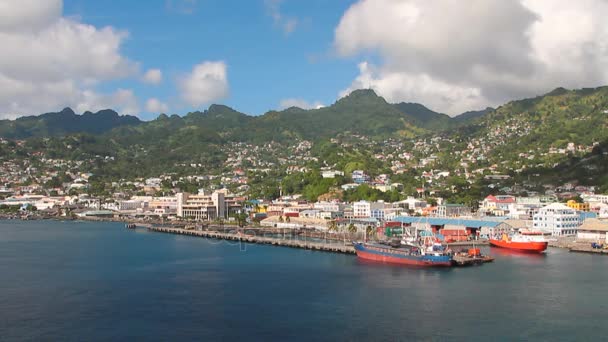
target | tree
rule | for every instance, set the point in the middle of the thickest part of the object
(241, 219)
(281, 219)
(370, 231)
(287, 219)
(351, 228)
(332, 226)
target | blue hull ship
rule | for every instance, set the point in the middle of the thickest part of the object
(413, 256)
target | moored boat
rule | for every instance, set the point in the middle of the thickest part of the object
(526, 241)
(415, 256)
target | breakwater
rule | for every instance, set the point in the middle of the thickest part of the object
(291, 243)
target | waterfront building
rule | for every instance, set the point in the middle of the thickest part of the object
(593, 229)
(166, 205)
(129, 205)
(363, 209)
(348, 212)
(455, 226)
(556, 219)
(526, 207)
(453, 210)
(412, 203)
(219, 204)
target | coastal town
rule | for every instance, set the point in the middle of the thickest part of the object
(464, 188)
(51, 188)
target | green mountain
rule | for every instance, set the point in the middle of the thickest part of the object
(552, 120)
(63, 123)
(424, 117)
(469, 116)
(361, 112)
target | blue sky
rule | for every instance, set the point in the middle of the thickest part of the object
(265, 64)
(175, 56)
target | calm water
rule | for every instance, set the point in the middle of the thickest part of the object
(99, 281)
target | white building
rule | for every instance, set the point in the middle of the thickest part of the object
(557, 219)
(412, 203)
(331, 173)
(130, 205)
(328, 206)
(499, 205)
(207, 207)
(363, 209)
(595, 198)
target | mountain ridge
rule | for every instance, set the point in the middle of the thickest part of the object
(360, 112)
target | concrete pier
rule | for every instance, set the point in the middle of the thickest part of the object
(315, 246)
(587, 249)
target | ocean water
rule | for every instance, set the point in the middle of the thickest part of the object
(77, 281)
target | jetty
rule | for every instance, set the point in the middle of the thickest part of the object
(245, 238)
(588, 249)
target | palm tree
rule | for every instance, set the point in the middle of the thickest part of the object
(352, 229)
(332, 226)
(281, 219)
(370, 231)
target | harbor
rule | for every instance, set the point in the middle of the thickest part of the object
(246, 238)
(461, 259)
(167, 281)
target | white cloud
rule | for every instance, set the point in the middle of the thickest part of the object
(286, 23)
(207, 82)
(154, 105)
(153, 76)
(49, 62)
(456, 58)
(32, 15)
(300, 103)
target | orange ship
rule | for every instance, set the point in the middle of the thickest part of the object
(527, 241)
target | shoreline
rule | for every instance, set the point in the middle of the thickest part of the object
(569, 243)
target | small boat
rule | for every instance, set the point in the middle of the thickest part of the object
(130, 225)
(526, 241)
(432, 256)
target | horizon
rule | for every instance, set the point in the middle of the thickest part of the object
(180, 56)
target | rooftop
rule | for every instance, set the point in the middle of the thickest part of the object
(442, 221)
(595, 225)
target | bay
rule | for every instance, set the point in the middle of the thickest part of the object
(85, 281)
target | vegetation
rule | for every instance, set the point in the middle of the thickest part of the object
(519, 134)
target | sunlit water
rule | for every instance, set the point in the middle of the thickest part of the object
(98, 281)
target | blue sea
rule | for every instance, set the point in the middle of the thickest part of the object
(83, 281)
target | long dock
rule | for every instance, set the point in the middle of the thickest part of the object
(314, 246)
(588, 249)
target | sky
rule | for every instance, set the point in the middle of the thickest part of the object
(175, 56)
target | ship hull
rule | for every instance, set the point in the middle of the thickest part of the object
(532, 247)
(391, 256)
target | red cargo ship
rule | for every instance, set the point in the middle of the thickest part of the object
(533, 242)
